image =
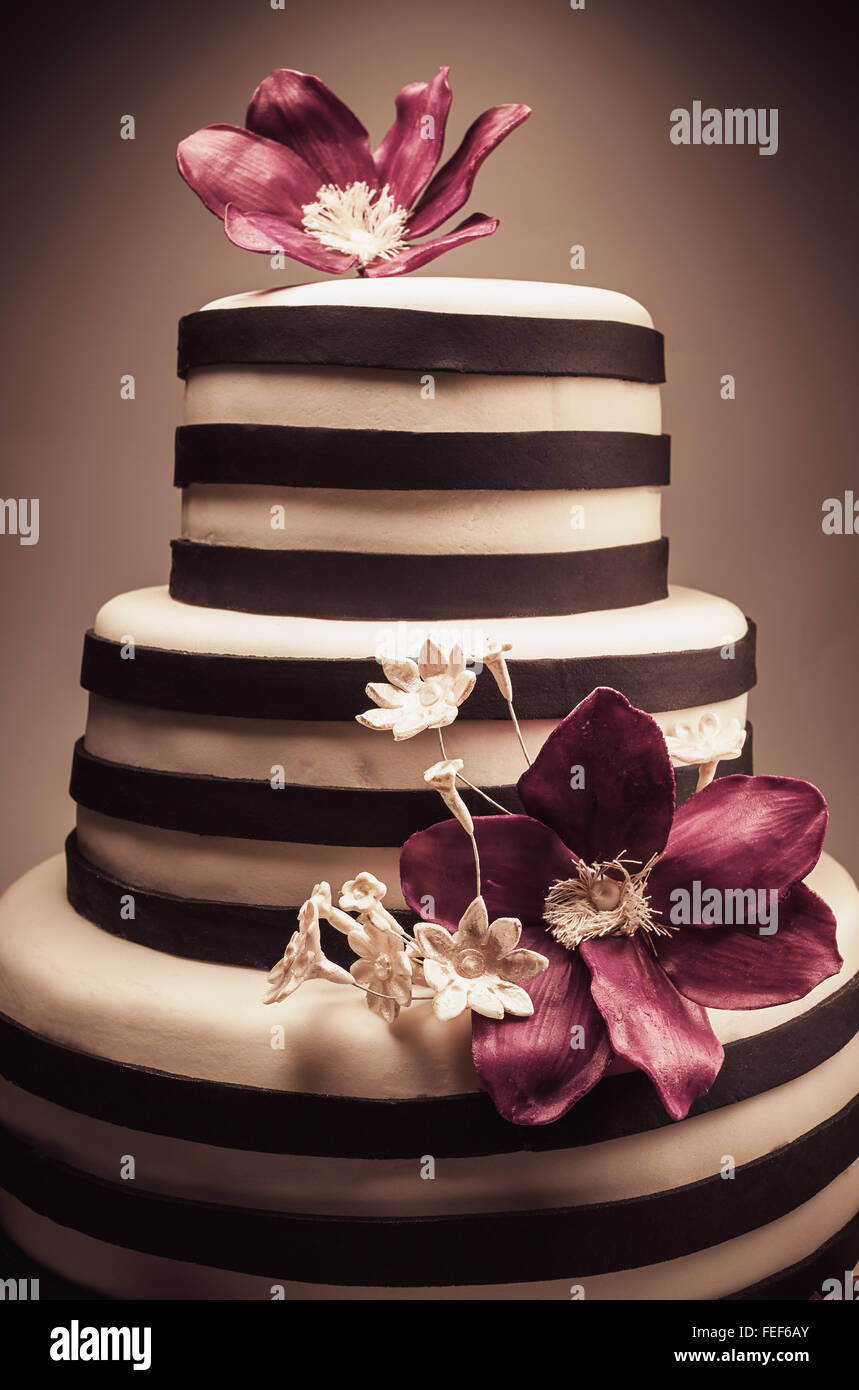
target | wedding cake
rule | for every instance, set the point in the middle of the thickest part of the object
(444, 493)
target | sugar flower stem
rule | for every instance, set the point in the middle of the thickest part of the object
(706, 773)
(471, 787)
(518, 732)
(471, 834)
(473, 839)
(375, 993)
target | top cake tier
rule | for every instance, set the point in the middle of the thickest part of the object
(421, 450)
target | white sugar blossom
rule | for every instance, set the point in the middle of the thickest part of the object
(478, 967)
(442, 778)
(383, 968)
(362, 893)
(303, 959)
(705, 742)
(493, 658)
(418, 695)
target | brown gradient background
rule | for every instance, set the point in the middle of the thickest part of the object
(744, 261)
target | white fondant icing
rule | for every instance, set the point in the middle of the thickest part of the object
(712, 1273)
(325, 753)
(72, 982)
(686, 620)
(269, 872)
(420, 523)
(617, 1169)
(374, 399)
(445, 294)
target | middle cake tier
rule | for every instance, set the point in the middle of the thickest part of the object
(223, 772)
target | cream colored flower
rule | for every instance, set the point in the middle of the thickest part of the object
(706, 743)
(303, 959)
(705, 739)
(442, 778)
(418, 695)
(384, 967)
(362, 893)
(478, 967)
(492, 657)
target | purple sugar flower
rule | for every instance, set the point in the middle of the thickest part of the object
(594, 871)
(301, 178)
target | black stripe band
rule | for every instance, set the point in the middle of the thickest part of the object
(250, 809)
(413, 340)
(461, 1126)
(405, 460)
(247, 934)
(383, 588)
(419, 1252)
(797, 1284)
(257, 687)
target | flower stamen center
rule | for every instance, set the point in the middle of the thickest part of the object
(601, 900)
(471, 964)
(358, 220)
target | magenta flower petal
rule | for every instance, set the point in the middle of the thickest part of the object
(519, 858)
(741, 832)
(224, 164)
(627, 798)
(267, 233)
(299, 111)
(452, 184)
(650, 1024)
(530, 1066)
(737, 968)
(475, 226)
(407, 155)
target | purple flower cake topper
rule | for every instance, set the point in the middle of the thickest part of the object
(301, 179)
(621, 893)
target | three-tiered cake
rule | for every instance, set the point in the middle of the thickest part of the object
(364, 465)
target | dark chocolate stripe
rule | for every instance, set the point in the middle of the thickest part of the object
(251, 935)
(796, 1284)
(247, 809)
(481, 1248)
(345, 335)
(404, 460)
(467, 1126)
(259, 687)
(250, 809)
(384, 587)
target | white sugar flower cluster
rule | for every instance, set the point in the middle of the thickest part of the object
(478, 967)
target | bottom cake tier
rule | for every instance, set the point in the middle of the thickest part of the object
(165, 1136)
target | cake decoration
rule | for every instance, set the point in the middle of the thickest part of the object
(618, 984)
(479, 966)
(705, 742)
(303, 959)
(300, 179)
(418, 695)
(595, 870)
